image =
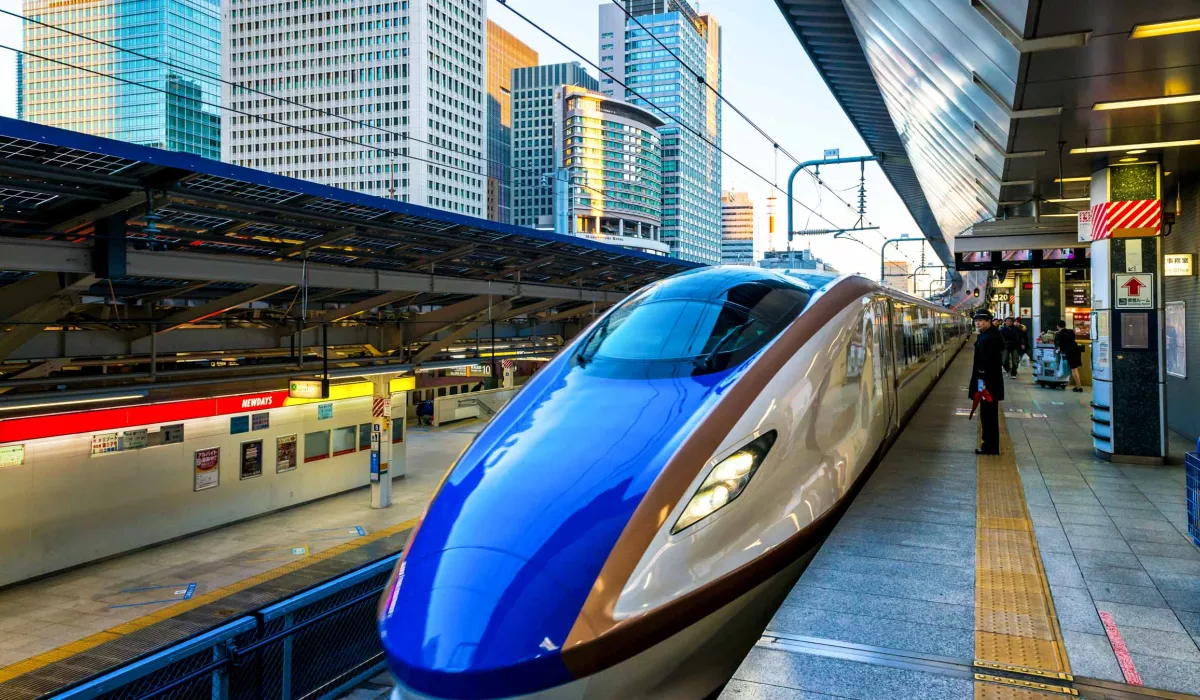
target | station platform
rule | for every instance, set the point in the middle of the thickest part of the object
(60, 629)
(1043, 572)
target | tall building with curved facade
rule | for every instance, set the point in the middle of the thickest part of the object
(609, 184)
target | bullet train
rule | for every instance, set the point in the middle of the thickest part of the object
(628, 524)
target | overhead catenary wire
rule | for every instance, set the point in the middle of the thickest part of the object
(394, 152)
(652, 106)
(703, 80)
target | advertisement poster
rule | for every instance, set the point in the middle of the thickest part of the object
(251, 459)
(239, 424)
(285, 453)
(207, 467)
(12, 456)
(1177, 339)
(260, 421)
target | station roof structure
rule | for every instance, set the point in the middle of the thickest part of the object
(232, 248)
(1001, 104)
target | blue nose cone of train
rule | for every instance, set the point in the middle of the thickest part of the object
(512, 544)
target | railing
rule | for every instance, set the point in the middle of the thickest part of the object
(486, 408)
(316, 644)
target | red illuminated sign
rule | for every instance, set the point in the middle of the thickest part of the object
(35, 427)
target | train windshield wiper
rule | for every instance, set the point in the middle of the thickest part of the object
(589, 350)
(705, 361)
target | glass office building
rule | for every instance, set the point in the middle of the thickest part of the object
(610, 157)
(655, 78)
(171, 103)
(505, 54)
(533, 160)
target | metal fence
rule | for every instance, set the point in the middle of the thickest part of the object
(315, 644)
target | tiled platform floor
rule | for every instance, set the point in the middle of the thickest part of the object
(892, 591)
(50, 612)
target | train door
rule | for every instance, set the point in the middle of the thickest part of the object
(887, 360)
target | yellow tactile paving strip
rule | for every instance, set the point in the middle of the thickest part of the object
(1015, 625)
(67, 650)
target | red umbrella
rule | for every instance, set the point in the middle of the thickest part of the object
(983, 395)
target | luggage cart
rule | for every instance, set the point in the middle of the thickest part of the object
(1049, 367)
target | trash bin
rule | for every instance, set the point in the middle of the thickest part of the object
(1193, 494)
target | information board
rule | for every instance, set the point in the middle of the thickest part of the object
(1133, 291)
(260, 421)
(207, 468)
(324, 411)
(135, 439)
(12, 456)
(239, 424)
(105, 442)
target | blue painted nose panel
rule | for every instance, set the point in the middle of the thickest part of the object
(514, 541)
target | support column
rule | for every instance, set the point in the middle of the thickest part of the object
(381, 443)
(1128, 384)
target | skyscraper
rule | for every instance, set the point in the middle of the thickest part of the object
(505, 53)
(176, 104)
(400, 85)
(533, 162)
(737, 229)
(661, 76)
(610, 183)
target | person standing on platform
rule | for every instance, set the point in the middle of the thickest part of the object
(987, 380)
(1012, 346)
(1065, 341)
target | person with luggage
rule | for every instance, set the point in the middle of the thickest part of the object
(987, 381)
(1064, 341)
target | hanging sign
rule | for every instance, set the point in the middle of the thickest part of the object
(1085, 226)
(308, 389)
(1134, 291)
(207, 468)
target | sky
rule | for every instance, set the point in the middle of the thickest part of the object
(765, 73)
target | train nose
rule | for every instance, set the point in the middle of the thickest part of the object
(475, 622)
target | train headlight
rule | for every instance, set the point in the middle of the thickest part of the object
(725, 482)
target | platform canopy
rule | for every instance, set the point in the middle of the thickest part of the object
(1005, 107)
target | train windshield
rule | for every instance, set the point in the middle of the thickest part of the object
(693, 334)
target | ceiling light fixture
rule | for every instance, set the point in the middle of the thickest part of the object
(70, 402)
(1136, 151)
(1127, 146)
(1129, 160)
(1072, 215)
(1179, 26)
(1147, 102)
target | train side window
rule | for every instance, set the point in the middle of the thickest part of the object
(316, 445)
(441, 391)
(453, 390)
(364, 436)
(397, 431)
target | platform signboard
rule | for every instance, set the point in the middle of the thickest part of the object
(285, 453)
(1134, 291)
(206, 465)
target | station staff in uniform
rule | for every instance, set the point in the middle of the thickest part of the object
(988, 373)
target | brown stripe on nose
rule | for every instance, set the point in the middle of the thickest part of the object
(597, 641)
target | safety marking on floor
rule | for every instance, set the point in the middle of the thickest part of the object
(261, 555)
(66, 651)
(346, 531)
(1124, 659)
(1015, 688)
(180, 591)
(1015, 622)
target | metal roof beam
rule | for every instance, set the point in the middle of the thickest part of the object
(217, 306)
(327, 239)
(359, 307)
(427, 324)
(461, 332)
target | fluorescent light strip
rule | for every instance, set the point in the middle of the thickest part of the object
(70, 402)
(1060, 216)
(1059, 200)
(1147, 102)
(1073, 179)
(1130, 146)
(1179, 26)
